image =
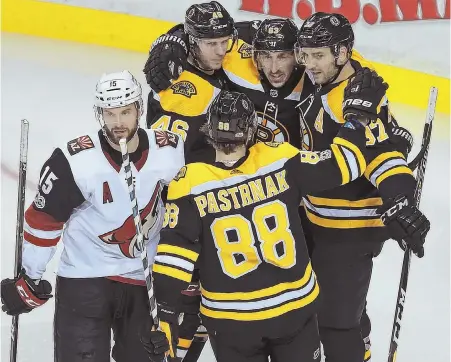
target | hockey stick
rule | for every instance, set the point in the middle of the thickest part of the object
(139, 230)
(19, 228)
(400, 302)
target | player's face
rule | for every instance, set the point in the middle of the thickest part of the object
(277, 66)
(121, 122)
(212, 52)
(319, 62)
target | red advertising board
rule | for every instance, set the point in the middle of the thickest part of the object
(384, 12)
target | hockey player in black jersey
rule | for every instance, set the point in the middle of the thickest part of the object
(260, 63)
(100, 287)
(345, 222)
(209, 33)
(238, 218)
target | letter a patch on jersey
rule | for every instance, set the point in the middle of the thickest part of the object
(165, 138)
(107, 197)
(79, 144)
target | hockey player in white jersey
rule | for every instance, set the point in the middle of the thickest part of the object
(100, 281)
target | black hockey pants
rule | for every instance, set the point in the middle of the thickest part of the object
(88, 309)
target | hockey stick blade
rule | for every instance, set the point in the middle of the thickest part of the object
(402, 289)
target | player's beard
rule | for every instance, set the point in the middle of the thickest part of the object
(114, 138)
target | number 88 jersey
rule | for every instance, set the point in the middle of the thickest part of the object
(240, 226)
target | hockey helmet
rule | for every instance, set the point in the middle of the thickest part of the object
(231, 118)
(275, 35)
(208, 20)
(116, 90)
(326, 30)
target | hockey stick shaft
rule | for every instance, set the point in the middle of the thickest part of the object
(402, 289)
(139, 230)
(19, 227)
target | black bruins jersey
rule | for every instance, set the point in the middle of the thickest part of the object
(278, 119)
(334, 214)
(241, 225)
(182, 109)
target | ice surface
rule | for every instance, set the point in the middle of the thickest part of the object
(51, 83)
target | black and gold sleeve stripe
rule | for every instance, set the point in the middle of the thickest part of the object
(350, 159)
(175, 262)
(386, 165)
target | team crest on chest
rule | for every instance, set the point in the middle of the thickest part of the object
(125, 235)
(165, 138)
(185, 88)
(245, 51)
(79, 144)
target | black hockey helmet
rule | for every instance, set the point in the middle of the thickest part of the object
(326, 30)
(231, 119)
(275, 35)
(208, 20)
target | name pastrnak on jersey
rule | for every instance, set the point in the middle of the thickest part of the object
(278, 118)
(352, 208)
(241, 226)
(182, 109)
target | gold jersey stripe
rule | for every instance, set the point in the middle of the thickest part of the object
(342, 165)
(393, 171)
(321, 201)
(176, 250)
(355, 150)
(184, 343)
(172, 272)
(343, 223)
(381, 159)
(264, 314)
(262, 293)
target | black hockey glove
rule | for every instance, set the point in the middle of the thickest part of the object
(363, 95)
(407, 225)
(156, 343)
(167, 60)
(22, 294)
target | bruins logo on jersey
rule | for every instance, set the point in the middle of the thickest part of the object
(273, 144)
(270, 130)
(185, 88)
(245, 51)
(180, 174)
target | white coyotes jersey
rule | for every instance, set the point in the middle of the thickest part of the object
(99, 235)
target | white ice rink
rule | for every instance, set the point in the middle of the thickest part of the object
(51, 83)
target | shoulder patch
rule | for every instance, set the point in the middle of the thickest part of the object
(185, 88)
(180, 174)
(79, 144)
(245, 51)
(273, 144)
(165, 138)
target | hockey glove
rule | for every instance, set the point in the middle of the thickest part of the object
(163, 342)
(22, 294)
(406, 224)
(167, 60)
(364, 95)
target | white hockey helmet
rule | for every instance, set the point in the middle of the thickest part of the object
(117, 90)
